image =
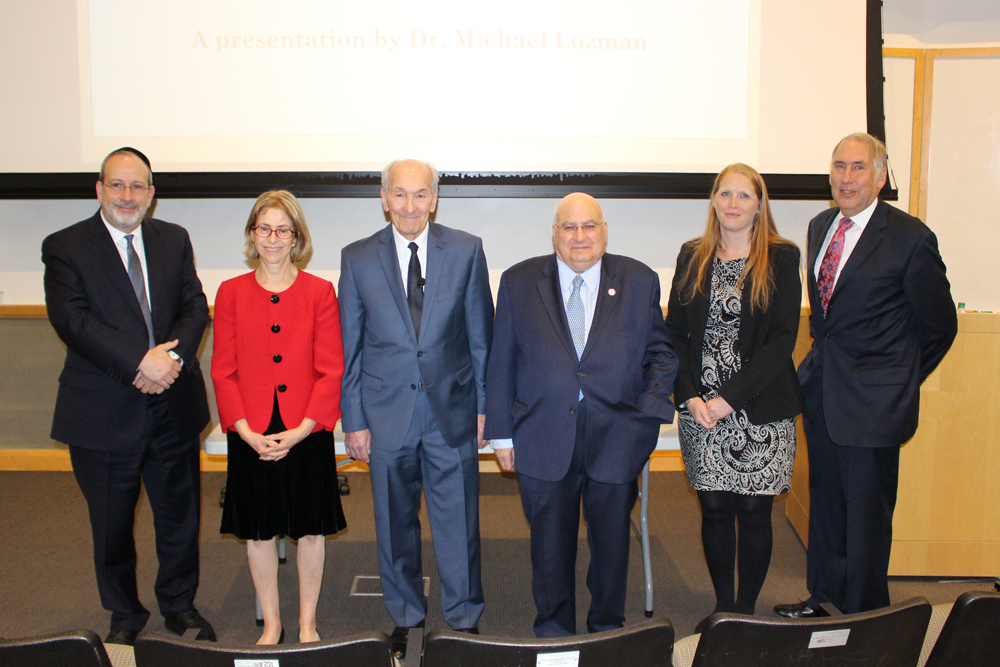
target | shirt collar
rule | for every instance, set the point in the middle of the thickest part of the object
(591, 277)
(861, 219)
(403, 243)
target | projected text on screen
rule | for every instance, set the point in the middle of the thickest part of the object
(668, 69)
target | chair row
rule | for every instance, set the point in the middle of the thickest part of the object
(897, 636)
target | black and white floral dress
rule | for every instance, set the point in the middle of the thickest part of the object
(735, 456)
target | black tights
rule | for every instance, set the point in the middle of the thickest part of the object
(718, 535)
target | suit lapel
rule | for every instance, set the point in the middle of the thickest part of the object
(110, 261)
(390, 264)
(155, 266)
(605, 301)
(700, 303)
(551, 295)
(435, 257)
(866, 244)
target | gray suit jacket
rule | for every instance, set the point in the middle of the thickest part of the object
(384, 363)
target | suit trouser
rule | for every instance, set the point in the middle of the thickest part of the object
(553, 511)
(852, 493)
(450, 480)
(169, 466)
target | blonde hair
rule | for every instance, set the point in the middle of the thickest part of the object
(282, 200)
(763, 235)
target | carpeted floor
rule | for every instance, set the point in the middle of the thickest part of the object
(47, 577)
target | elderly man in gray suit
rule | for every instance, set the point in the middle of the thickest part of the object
(417, 320)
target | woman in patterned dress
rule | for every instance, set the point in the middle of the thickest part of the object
(733, 315)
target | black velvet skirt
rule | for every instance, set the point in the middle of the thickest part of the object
(295, 496)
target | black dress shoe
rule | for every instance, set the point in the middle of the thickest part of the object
(281, 638)
(121, 636)
(797, 610)
(469, 631)
(178, 622)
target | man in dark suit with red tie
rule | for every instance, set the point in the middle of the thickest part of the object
(580, 377)
(882, 319)
(123, 295)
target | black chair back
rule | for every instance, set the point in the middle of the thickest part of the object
(971, 635)
(365, 650)
(81, 648)
(889, 637)
(648, 644)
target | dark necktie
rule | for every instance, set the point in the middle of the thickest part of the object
(139, 285)
(831, 260)
(415, 289)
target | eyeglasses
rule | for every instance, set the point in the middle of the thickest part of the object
(587, 227)
(118, 187)
(263, 231)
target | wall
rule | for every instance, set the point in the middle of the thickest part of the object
(512, 230)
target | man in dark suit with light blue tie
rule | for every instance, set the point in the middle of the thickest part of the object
(123, 295)
(881, 320)
(416, 315)
(580, 378)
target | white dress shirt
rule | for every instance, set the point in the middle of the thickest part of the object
(588, 294)
(403, 254)
(851, 237)
(121, 244)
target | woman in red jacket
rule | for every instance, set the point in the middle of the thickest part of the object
(277, 363)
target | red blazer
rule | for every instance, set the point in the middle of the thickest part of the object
(287, 343)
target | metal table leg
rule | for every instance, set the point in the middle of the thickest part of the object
(643, 533)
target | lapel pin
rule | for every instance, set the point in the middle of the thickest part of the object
(612, 291)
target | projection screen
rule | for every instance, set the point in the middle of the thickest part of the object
(528, 89)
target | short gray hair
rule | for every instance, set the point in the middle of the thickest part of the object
(431, 168)
(880, 156)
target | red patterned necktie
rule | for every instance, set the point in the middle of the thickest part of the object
(831, 260)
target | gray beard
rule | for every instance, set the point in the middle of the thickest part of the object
(118, 223)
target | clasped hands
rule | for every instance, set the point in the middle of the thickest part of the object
(708, 413)
(275, 446)
(157, 370)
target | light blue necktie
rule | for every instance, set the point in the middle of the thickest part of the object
(139, 285)
(576, 316)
